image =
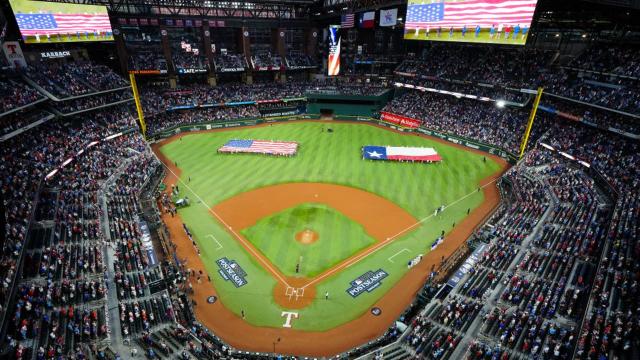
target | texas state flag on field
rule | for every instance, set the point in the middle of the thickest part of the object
(398, 153)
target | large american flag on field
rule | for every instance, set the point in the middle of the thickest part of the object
(260, 147)
(51, 24)
(440, 13)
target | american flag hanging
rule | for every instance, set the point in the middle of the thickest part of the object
(333, 63)
(348, 21)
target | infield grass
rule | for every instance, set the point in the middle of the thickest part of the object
(338, 238)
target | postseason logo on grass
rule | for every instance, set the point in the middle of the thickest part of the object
(368, 282)
(231, 271)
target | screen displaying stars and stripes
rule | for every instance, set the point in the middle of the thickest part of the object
(471, 13)
(482, 21)
(42, 21)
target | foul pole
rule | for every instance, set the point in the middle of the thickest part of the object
(532, 116)
(136, 97)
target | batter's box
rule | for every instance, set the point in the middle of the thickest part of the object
(292, 292)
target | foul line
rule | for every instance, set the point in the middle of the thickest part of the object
(244, 243)
(386, 242)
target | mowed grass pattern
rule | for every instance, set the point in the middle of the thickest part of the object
(339, 238)
(329, 158)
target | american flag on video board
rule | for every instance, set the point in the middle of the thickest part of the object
(47, 24)
(260, 147)
(485, 13)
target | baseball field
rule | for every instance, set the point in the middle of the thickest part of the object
(311, 243)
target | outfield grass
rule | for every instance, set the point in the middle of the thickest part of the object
(339, 238)
(331, 158)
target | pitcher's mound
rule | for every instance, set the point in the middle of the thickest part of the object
(307, 237)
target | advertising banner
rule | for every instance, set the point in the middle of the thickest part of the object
(400, 120)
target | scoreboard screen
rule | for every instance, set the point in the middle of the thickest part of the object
(46, 22)
(481, 21)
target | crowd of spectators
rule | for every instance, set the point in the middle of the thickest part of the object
(143, 59)
(168, 120)
(14, 93)
(60, 298)
(608, 58)
(501, 127)
(530, 68)
(346, 88)
(229, 62)
(192, 59)
(74, 79)
(266, 61)
(299, 60)
(92, 102)
(20, 119)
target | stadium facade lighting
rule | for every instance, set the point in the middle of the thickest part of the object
(567, 155)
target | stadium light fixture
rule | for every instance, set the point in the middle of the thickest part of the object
(567, 155)
(501, 103)
(547, 146)
(49, 175)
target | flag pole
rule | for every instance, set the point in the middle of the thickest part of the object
(532, 116)
(136, 97)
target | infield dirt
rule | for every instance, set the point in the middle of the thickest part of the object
(307, 237)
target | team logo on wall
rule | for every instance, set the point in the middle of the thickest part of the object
(368, 282)
(231, 271)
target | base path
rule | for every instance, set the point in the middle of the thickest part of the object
(242, 335)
